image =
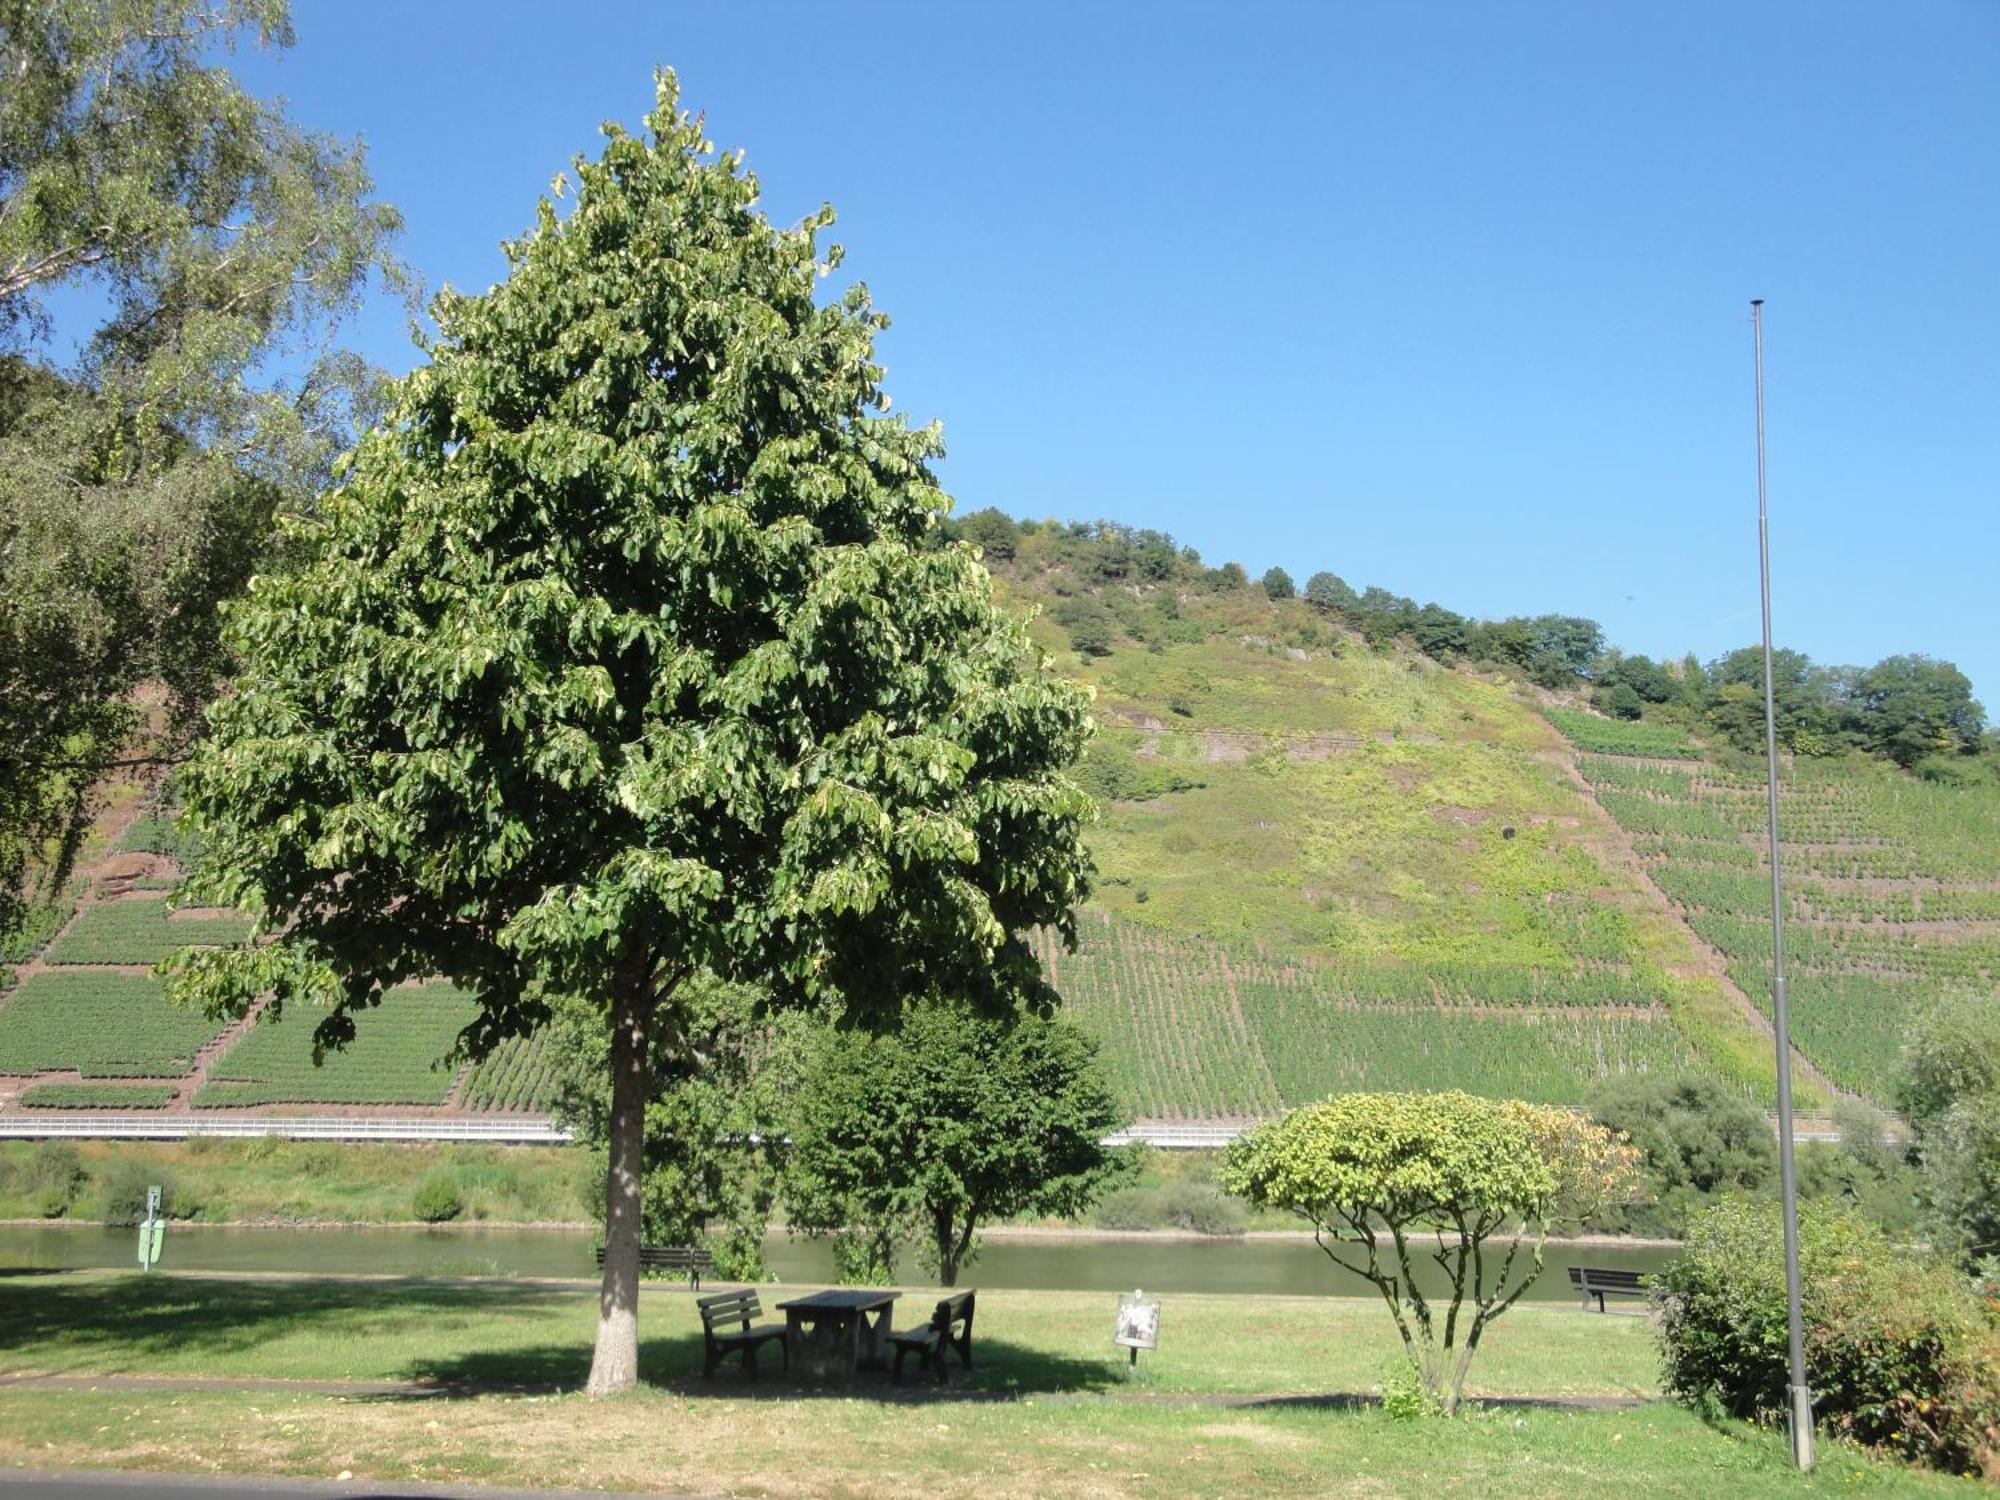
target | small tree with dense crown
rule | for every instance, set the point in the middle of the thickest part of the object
(631, 647)
(951, 1121)
(1390, 1180)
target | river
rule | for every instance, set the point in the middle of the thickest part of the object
(1253, 1266)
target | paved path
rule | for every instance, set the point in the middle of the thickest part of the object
(115, 1484)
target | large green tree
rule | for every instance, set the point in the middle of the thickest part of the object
(194, 250)
(631, 647)
(951, 1121)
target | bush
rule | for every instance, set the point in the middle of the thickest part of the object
(1897, 1346)
(53, 1177)
(438, 1200)
(124, 1194)
(1128, 1208)
(1201, 1207)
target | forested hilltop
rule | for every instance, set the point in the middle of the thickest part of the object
(1353, 841)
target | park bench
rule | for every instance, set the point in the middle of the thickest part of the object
(1593, 1281)
(929, 1341)
(721, 1341)
(692, 1259)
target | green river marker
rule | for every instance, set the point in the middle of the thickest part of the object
(151, 1231)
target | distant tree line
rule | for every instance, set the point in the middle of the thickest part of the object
(1916, 711)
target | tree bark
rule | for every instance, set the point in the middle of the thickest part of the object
(614, 1366)
(947, 1256)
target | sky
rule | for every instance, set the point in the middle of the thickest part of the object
(1451, 298)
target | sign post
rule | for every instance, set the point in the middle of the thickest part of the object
(1138, 1323)
(151, 1231)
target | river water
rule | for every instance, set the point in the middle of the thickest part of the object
(1253, 1266)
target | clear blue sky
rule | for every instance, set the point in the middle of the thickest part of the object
(1450, 298)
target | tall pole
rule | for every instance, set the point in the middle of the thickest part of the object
(1788, 1179)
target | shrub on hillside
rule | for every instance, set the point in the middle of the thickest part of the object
(1199, 1206)
(124, 1193)
(1697, 1140)
(52, 1178)
(438, 1200)
(1899, 1352)
(1128, 1208)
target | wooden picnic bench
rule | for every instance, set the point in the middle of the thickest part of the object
(721, 1341)
(1598, 1282)
(692, 1259)
(929, 1341)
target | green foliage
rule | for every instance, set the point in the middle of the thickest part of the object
(1410, 1169)
(1089, 623)
(1199, 1208)
(103, 1025)
(1601, 736)
(100, 1095)
(631, 647)
(1277, 584)
(437, 1200)
(700, 684)
(122, 1194)
(1330, 594)
(1950, 1090)
(138, 932)
(52, 1177)
(1951, 1056)
(1893, 1336)
(404, 1056)
(952, 1120)
(711, 1145)
(141, 188)
(1696, 1141)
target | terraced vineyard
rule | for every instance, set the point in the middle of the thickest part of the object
(138, 932)
(397, 1056)
(100, 1095)
(520, 1075)
(1192, 1028)
(99, 1024)
(1892, 890)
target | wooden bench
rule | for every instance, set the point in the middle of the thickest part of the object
(1593, 1281)
(930, 1341)
(721, 1341)
(692, 1259)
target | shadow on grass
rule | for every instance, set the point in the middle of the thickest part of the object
(1002, 1370)
(196, 1327)
(133, 1322)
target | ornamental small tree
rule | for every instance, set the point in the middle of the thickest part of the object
(1389, 1181)
(953, 1120)
(632, 649)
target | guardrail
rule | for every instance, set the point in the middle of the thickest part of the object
(527, 1130)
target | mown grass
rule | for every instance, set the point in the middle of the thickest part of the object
(498, 1334)
(1227, 1407)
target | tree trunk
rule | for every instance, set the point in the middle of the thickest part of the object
(946, 1250)
(615, 1364)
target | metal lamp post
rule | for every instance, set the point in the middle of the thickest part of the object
(1801, 1394)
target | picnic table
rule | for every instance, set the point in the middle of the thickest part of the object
(831, 1334)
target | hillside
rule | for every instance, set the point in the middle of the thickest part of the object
(1325, 862)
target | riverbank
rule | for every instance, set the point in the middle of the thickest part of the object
(411, 1381)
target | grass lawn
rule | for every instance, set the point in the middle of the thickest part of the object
(741, 1445)
(1050, 1410)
